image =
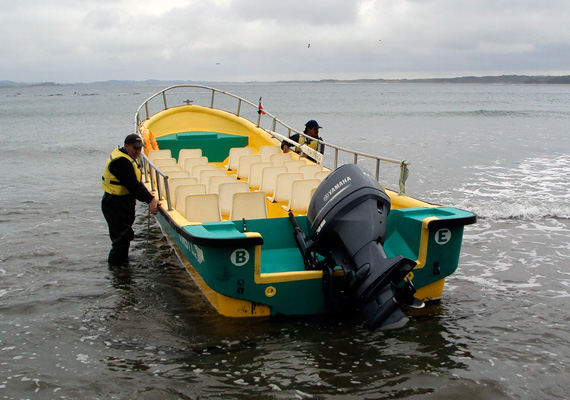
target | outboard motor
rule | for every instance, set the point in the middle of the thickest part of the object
(347, 227)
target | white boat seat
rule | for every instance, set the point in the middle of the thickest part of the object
(202, 208)
(301, 194)
(235, 154)
(178, 174)
(227, 191)
(188, 153)
(170, 175)
(206, 174)
(322, 175)
(244, 165)
(156, 154)
(280, 158)
(171, 168)
(255, 171)
(267, 151)
(190, 162)
(293, 165)
(164, 162)
(310, 170)
(283, 186)
(215, 182)
(174, 183)
(269, 177)
(248, 205)
(169, 171)
(196, 169)
(184, 191)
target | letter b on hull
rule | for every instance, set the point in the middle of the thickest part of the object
(239, 257)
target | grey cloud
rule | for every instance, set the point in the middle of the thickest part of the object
(243, 40)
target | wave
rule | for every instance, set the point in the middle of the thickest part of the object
(483, 113)
(535, 188)
(479, 113)
(517, 209)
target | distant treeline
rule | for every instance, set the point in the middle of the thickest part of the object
(504, 79)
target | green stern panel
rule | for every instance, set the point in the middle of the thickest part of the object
(215, 146)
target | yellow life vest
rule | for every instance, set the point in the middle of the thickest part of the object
(110, 183)
(311, 143)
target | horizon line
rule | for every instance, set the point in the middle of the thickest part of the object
(8, 83)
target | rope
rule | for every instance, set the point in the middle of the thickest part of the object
(147, 240)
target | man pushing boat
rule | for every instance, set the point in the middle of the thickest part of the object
(122, 185)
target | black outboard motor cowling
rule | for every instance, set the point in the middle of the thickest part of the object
(347, 225)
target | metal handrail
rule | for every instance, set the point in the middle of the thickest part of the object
(275, 122)
(148, 167)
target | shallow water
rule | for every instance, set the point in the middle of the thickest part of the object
(71, 328)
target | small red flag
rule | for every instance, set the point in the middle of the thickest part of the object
(260, 108)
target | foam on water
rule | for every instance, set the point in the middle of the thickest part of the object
(535, 188)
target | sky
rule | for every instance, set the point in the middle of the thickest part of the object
(76, 41)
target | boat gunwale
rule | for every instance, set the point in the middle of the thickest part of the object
(253, 240)
(452, 223)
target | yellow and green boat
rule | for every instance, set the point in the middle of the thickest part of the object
(264, 233)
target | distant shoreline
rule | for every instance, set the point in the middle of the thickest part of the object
(500, 79)
(505, 79)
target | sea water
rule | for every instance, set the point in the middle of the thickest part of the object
(71, 328)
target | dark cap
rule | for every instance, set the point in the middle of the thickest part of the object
(134, 140)
(312, 124)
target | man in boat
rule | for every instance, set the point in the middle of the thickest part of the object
(122, 185)
(311, 129)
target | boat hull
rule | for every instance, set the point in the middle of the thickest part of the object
(238, 277)
(261, 274)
